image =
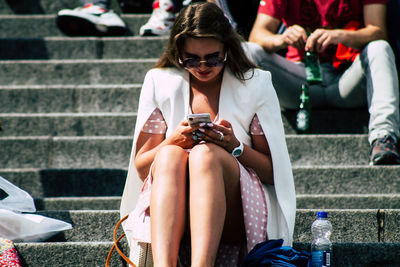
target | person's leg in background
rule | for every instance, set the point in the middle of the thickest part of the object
(287, 77)
(94, 18)
(163, 15)
(370, 81)
(161, 20)
(373, 77)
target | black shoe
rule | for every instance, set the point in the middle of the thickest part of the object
(384, 152)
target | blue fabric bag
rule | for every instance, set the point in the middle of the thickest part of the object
(271, 253)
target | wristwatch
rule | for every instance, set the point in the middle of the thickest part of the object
(237, 151)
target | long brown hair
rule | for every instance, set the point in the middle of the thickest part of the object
(202, 20)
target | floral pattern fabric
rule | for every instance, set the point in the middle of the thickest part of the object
(8, 254)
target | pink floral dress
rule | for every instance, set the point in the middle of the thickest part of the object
(253, 201)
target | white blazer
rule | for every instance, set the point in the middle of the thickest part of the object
(168, 89)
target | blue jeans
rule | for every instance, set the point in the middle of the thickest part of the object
(370, 81)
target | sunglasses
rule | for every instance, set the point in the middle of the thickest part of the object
(213, 61)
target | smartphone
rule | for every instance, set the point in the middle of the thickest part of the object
(198, 118)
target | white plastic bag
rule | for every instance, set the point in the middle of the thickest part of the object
(29, 227)
(20, 227)
(17, 199)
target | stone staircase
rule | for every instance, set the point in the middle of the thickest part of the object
(68, 107)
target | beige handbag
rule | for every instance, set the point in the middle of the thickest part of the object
(141, 254)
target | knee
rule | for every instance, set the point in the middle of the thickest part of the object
(252, 47)
(169, 156)
(378, 49)
(205, 155)
(254, 52)
(378, 45)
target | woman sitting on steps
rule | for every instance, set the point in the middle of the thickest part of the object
(210, 185)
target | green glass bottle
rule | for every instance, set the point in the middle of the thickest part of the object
(313, 68)
(303, 117)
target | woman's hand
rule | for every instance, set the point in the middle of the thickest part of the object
(220, 133)
(148, 145)
(184, 136)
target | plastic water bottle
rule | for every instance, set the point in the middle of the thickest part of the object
(321, 247)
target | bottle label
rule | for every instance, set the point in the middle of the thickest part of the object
(313, 74)
(327, 259)
(313, 69)
(302, 120)
(320, 258)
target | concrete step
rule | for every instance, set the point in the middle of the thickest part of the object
(53, 6)
(38, 26)
(370, 181)
(328, 150)
(114, 151)
(361, 254)
(323, 201)
(78, 203)
(74, 72)
(124, 98)
(331, 121)
(100, 188)
(69, 98)
(347, 179)
(81, 48)
(71, 254)
(88, 225)
(348, 201)
(68, 124)
(83, 254)
(349, 225)
(50, 183)
(352, 225)
(65, 152)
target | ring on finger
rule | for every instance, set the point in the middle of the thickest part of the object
(221, 137)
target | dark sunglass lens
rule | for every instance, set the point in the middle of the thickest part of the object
(210, 62)
(215, 62)
(191, 63)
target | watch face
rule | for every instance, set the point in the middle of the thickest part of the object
(237, 152)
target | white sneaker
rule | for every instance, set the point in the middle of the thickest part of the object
(90, 20)
(161, 20)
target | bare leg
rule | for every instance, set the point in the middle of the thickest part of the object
(214, 200)
(168, 204)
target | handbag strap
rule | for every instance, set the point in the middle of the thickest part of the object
(115, 245)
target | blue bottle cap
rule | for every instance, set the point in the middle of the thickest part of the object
(322, 214)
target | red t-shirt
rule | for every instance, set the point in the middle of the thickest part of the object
(313, 14)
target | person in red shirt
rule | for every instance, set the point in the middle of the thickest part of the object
(361, 72)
